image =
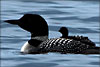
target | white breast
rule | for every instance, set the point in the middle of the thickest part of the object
(27, 48)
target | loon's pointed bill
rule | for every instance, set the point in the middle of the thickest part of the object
(15, 22)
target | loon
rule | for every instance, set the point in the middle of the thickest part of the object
(86, 40)
(40, 43)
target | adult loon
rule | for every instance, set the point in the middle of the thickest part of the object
(39, 42)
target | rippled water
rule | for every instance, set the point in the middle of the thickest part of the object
(80, 16)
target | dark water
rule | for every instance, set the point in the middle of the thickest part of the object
(80, 16)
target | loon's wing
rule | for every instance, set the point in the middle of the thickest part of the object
(63, 45)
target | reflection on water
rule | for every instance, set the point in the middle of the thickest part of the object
(80, 16)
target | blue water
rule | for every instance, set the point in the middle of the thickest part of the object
(81, 17)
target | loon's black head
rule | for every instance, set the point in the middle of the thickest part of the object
(63, 31)
(33, 23)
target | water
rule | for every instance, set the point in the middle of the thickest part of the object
(81, 17)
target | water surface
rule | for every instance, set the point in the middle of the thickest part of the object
(80, 16)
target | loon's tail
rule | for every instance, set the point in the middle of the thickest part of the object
(95, 50)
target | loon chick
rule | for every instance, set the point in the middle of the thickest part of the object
(86, 40)
(39, 42)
